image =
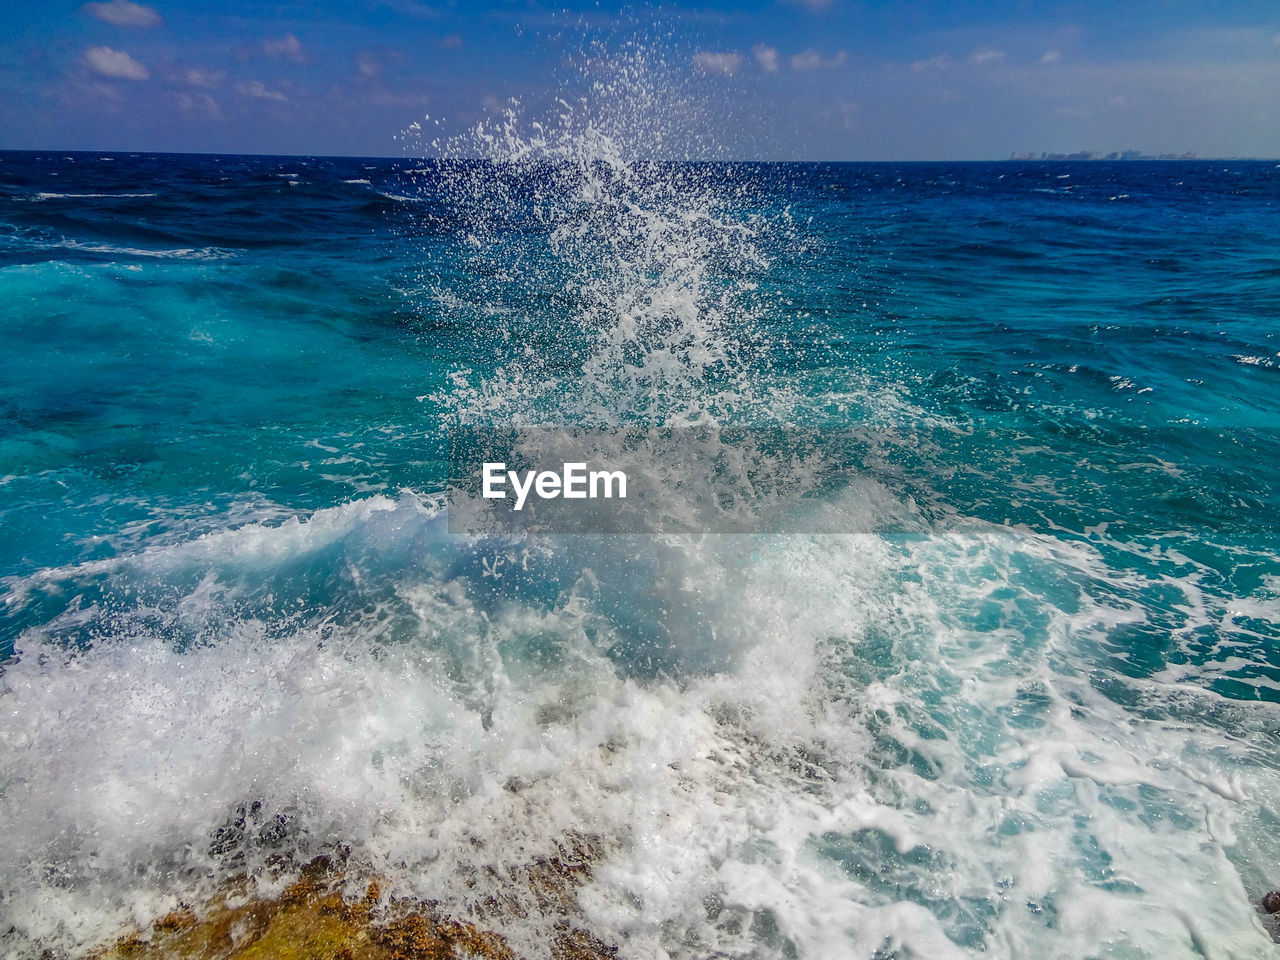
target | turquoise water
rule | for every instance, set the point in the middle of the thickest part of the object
(1023, 705)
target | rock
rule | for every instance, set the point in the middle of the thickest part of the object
(1271, 902)
(312, 920)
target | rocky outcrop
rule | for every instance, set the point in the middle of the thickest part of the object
(317, 918)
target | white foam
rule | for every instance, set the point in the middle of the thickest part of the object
(829, 697)
(45, 242)
(45, 195)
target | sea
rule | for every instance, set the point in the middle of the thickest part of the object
(1015, 696)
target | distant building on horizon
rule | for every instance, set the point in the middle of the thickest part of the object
(1094, 155)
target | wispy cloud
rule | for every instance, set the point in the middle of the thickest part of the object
(712, 62)
(985, 56)
(411, 8)
(766, 57)
(368, 64)
(124, 13)
(809, 60)
(94, 93)
(817, 6)
(940, 62)
(372, 61)
(201, 105)
(843, 113)
(287, 47)
(200, 77)
(1051, 56)
(115, 64)
(260, 91)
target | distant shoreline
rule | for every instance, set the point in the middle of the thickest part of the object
(1080, 157)
(1116, 155)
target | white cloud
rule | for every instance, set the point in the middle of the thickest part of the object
(809, 60)
(123, 13)
(709, 62)
(766, 57)
(198, 104)
(368, 64)
(200, 77)
(115, 64)
(1051, 56)
(940, 62)
(287, 47)
(260, 91)
(1118, 102)
(982, 57)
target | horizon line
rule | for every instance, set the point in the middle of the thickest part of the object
(1054, 157)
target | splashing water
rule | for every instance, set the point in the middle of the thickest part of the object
(612, 288)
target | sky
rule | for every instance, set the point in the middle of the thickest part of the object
(773, 79)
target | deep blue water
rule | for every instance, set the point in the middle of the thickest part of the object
(1030, 725)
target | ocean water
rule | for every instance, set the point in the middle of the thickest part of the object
(1022, 703)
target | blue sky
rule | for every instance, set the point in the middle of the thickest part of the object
(786, 79)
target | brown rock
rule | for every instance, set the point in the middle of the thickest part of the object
(312, 920)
